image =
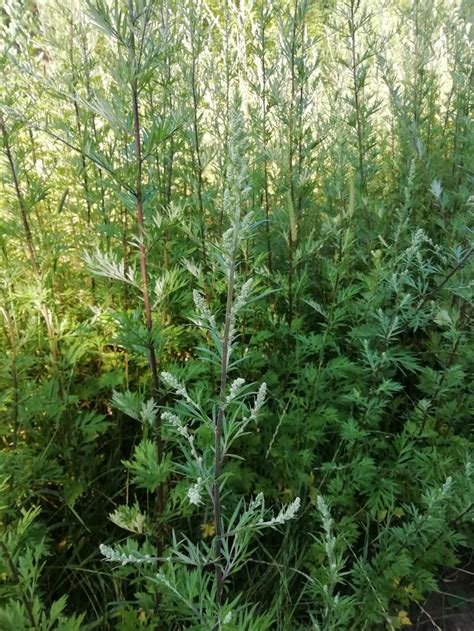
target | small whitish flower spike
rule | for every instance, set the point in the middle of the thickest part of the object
(243, 296)
(292, 509)
(203, 309)
(171, 381)
(259, 401)
(183, 431)
(119, 557)
(194, 493)
(286, 513)
(175, 421)
(235, 388)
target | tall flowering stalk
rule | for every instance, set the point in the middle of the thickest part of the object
(184, 574)
(236, 177)
(229, 255)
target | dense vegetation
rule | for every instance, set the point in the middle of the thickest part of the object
(236, 312)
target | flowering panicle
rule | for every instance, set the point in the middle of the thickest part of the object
(329, 538)
(183, 431)
(228, 240)
(235, 388)
(120, 557)
(289, 512)
(194, 493)
(259, 401)
(179, 389)
(203, 309)
(285, 514)
(243, 296)
(247, 224)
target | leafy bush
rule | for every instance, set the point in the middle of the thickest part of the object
(236, 312)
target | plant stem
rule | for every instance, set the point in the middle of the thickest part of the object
(10, 334)
(218, 453)
(45, 311)
(21, 201)
(143, 272)
(197, 145)
(265, 140)
(290, 161)
(357, 104)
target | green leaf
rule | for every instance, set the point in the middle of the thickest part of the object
(146, 472)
